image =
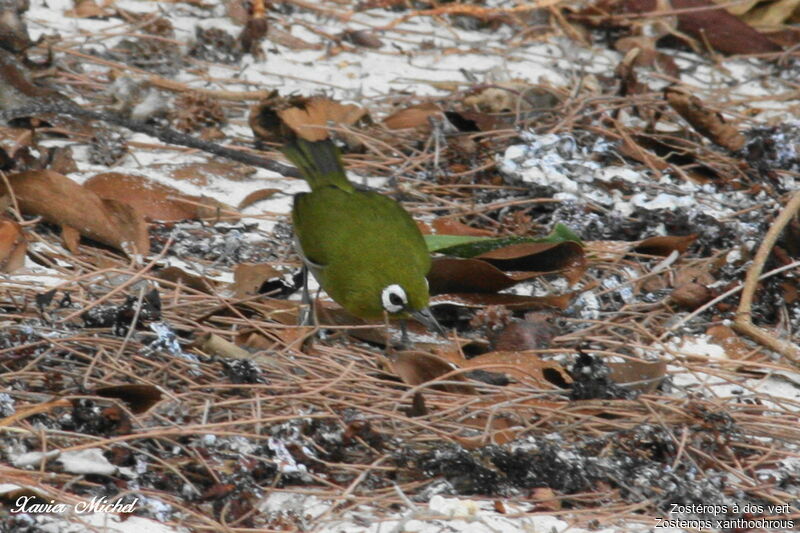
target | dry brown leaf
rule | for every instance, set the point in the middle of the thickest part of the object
(255, 340)
(237, 11)
(284, 38)
(455, 275)
(710, 25)
(417, 368)
(607, 250)
(771, 14)
(451, 226)
(264, 120)
(139, 398)
(512, 96)
(644, 375)
(60, 200)
(729, 340)
(216, 345)
(641, 51)
(534, 333)
(708, 123)
(62, 161)
(13, 246)
(496, 430)
(665, 245)
(71, 238)
(311, 122)
(524, 366)
(631, 148)
(738, 8)
(179, 276)
(86, 9)
(248, 278)
(154, 200)
(691, 295)
(484, 272)
(257, 196)
(545, 500)
(203, 172)
(787, 36)
(414, 117)
(364, 38)
(790, 292)
(536, 256)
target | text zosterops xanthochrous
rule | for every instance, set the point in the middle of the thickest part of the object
(363, 248)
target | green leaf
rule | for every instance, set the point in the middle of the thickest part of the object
(467, 246)
(562, 233)
(437, 243)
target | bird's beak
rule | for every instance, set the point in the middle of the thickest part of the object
(425, 317)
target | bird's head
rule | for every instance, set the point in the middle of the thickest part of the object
(402, 303)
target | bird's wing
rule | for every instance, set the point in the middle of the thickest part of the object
(359, 227)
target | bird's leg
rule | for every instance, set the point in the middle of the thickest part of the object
(405, 342)
(306, 317)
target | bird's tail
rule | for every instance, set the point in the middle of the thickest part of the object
(320, 163)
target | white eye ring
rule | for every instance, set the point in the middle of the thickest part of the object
(394, 298)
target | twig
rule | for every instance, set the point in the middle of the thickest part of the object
(166, 135)
(744, 319)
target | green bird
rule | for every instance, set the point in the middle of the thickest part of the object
(363, 248)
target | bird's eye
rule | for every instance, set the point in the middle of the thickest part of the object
(394, 298)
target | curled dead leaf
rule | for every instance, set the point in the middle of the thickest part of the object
(154, 200)
(644, 376)
(284, 38)
(311, 121)
(710, 25)
(139, 398)
(665, 245)
(202, 172)
(364, 38)
(248, 279)
(417, 368)
(545, 500)
(216, 345)
(179, 276)
(536, 256)
(734, 346)
(512, 96)
(484, 272)
(607, 250)
(264, 120)
(691, 295)
(13, 246)
(707, 122)
(496, 430)
(522, 365)
(237, 11)
(414, 117)
(534, 333)
(257, 196)
(60, 200)
(86, 9)
(455, 275)
(772, 14)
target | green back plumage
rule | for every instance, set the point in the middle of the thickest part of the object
(355, 243)
(319, 162)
